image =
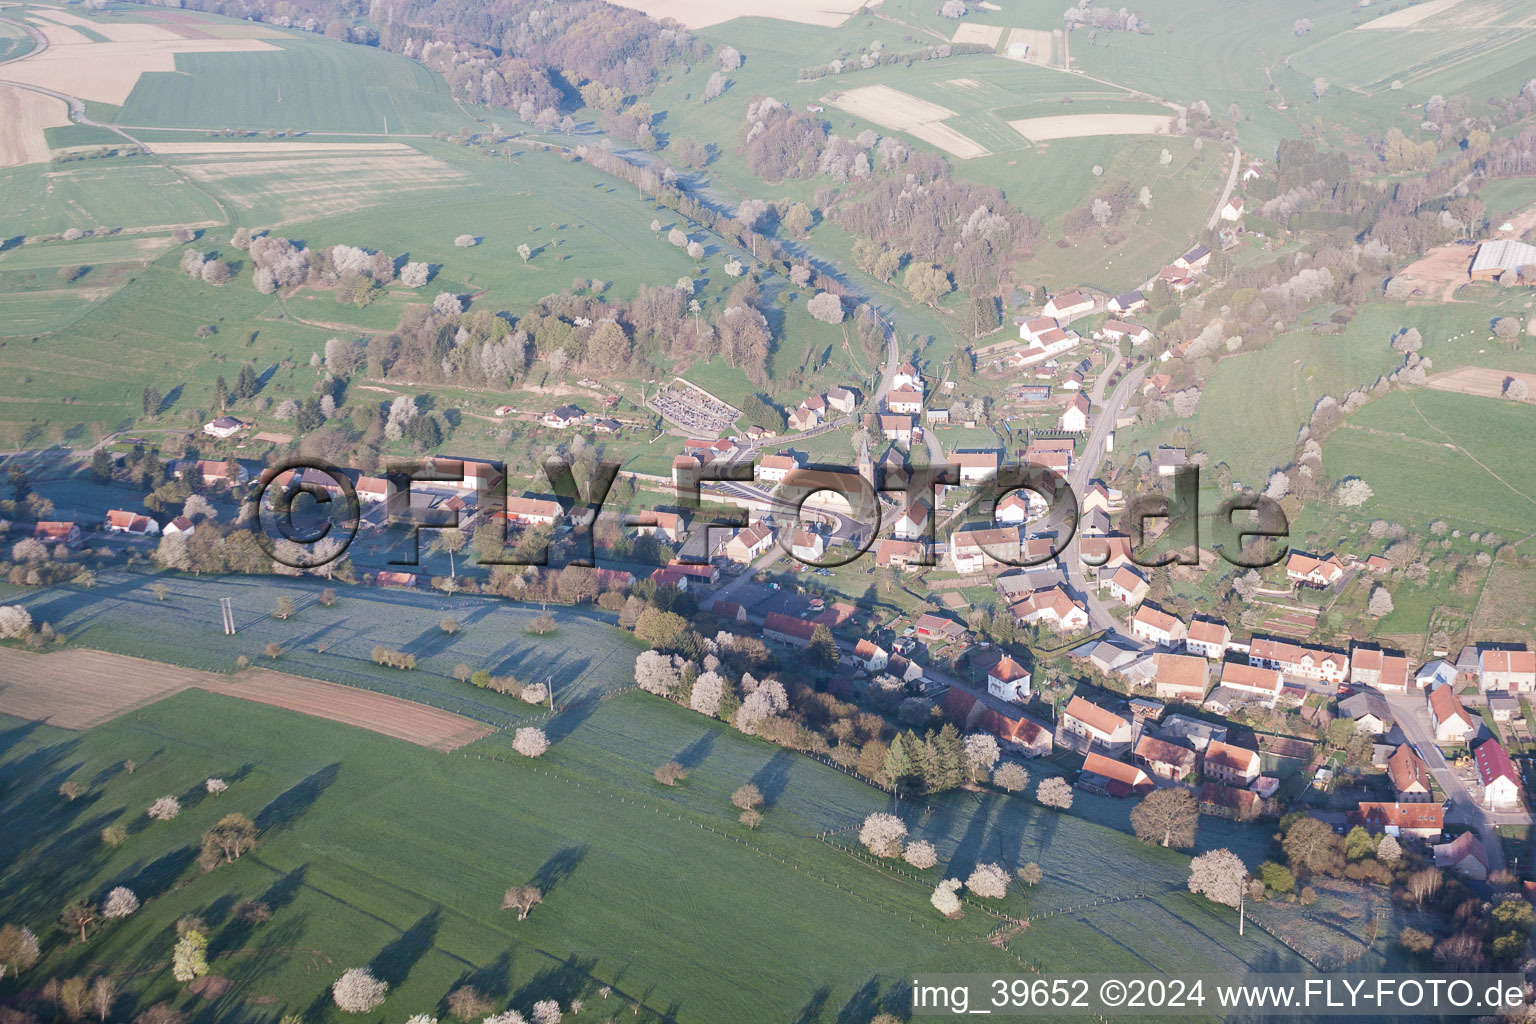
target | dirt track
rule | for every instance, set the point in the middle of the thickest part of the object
(80, 689)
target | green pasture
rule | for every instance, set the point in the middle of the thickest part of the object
(120, 192)
(306, 84)
(1438, 455)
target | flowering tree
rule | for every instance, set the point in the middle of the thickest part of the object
(215, 786)
(945, 899)
(989, 881)
(358, 991)
(120, 902)
(882, 834)
(165, 809)
(1055, 792)
(1218, 876)
(1011, 776)
(530, 742)
(920, 854)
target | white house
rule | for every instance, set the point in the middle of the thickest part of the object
(1130, 302)
(1119, 329)
(807, 546)
(533, 511)
(974, 467)
(1496, 773)
(907, 377)
(1031, 328)
(913, 522)
(222, 427)
(1128, 586)
(870, 656)
(774, 468)
(1008, 680)
(1510, 670)
(896, 428)
(1068, 304)
(563, 416)
(1453, 723)
(905, 401)
(181, 525)
(971, 550)
(802, 418)
(1233, 210)
(119, 521)
(1084, 726)
(1074, 419)
(748, 545)
(1208, 637)
(1052, 606)
(843, 400)
(1156, 626)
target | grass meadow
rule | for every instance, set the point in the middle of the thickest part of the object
(13, 42)
(120, 192)
(1438, 455)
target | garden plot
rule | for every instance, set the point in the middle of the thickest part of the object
(894, 109)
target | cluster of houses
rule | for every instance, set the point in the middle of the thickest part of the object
(816, 409)
(1182, 272)
(899, 421)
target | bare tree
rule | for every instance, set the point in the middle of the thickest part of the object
(1030, 874)
(103, 995)
(1424, 883)
(165, 809)
(671, 773)
(18, 950)
(522, 898)
(1167, 817)
(1012, 776)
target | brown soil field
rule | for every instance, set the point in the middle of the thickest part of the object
(1439, 272)
(892, 108)
(79, 689)
(1076, 126)
(1409, 17)
(1476, 380)
(23, 116)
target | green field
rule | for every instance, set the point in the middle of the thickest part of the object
(1255, 402)
(1437, 455)
(13, 42)
(309, 84)
(120, 192)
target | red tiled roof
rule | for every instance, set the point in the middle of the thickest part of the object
(778, 622)
(1493, 763)
(1377, 816)
(1225, 755)
(1407, 770)
(1007, 670)
(1127, 775)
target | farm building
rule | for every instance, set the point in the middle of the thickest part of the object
(1496, 259)
(119, 521)
(787, 629)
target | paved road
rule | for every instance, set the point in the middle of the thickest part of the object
(1237, 160)
(1411, 713)
(1083, 471)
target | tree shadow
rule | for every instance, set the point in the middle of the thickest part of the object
(289, 805)
(281, 892)
(773, 776)
(394, 962)
(567, 980)
(157, 877)
(558, 868)
(493, 980)
(693, 754)
(570, 717)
